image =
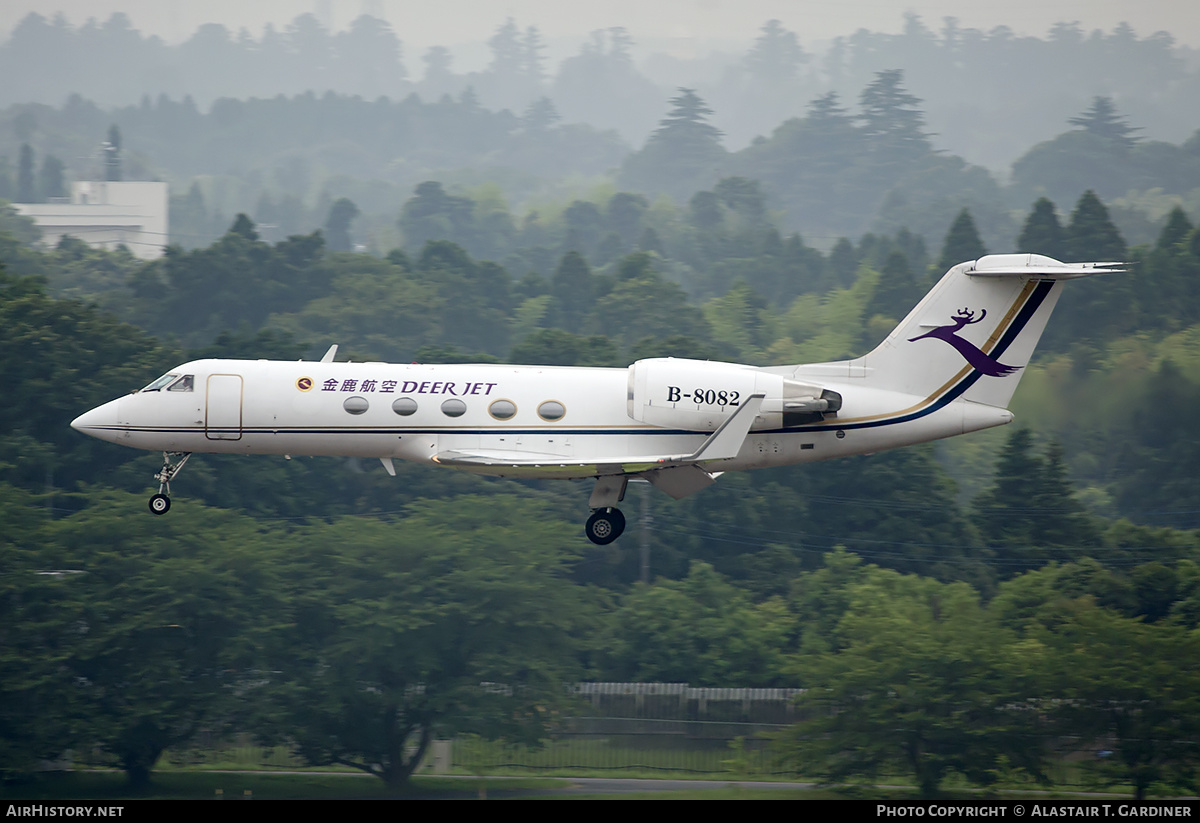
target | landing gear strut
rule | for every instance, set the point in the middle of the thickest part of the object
(161, 502)
(605, 525)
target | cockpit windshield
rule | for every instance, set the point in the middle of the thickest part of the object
(165, 380)
(173, 382)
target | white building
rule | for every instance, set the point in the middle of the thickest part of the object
(107, 214)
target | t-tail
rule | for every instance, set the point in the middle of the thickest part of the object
(972, 336)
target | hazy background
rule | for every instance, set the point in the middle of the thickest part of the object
(707, 21)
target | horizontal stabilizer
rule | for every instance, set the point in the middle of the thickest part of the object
(1037, 266)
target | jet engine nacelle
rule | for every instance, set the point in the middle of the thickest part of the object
(699, 395)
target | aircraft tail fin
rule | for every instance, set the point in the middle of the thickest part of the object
(973, 335)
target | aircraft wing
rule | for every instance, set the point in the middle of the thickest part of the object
(723, 444)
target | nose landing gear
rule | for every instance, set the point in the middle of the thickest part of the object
(161, 502)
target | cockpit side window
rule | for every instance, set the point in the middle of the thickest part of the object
(165, 380)
(184, 383)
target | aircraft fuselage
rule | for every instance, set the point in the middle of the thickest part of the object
(350, 409)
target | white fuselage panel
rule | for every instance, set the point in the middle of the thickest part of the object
(564, 417)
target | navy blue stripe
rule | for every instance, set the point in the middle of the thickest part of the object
(639, 430)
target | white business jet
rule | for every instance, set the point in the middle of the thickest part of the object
(949, 368)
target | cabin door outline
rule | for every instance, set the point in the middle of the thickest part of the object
(223, 413)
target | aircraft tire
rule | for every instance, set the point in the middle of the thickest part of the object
(160, 504)
(605, 526)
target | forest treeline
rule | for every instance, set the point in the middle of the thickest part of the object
(278, 588)
(612, 83)
(345, 639)
(839, 170)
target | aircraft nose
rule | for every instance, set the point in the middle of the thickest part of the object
(97, 422)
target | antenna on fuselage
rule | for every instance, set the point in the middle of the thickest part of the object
(329, 355)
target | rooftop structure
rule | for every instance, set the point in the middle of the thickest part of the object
(106, 215)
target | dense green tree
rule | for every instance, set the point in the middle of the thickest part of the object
(892, 123)
(1029, 515)
(776, 56)
(476, 298)
(700, 630)
(1175, 230)
(532, 60)
(585, 226)
(602, 85)
(642, 303)
(1159, 449)
(624, 214)
(39, 621)
(1042, 232)
(897, 509)
(372, 306)
(962, 242)
(704, 211)
(736, 319)
(843, 262)
(432, 214)
(50, 178)
(63, 357)
(1108, 306)
(1003, 510)
(369, 56)
(1067, 524)
(17, 233)
(573, 290)
(1103, 121)
(244, 227)
(462, 620)
(1091, 235)
(555, 347)
(337, 225)
(174, 615)
(8, 188)
(922, 683)
(1146, 712)
(809, 166)
(26, 186)
(683, 154)
(896, 292)
(541, 115)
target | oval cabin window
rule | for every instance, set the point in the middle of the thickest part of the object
(355, 405)
(454, 408)
(552, 410)
(502, 409)
(404, 406)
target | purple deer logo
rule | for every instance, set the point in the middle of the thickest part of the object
(972, 353)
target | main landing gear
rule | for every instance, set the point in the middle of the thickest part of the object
(161, 502)
(605, 525)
